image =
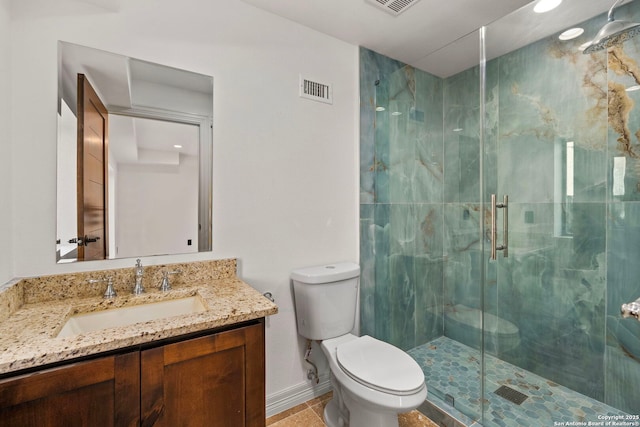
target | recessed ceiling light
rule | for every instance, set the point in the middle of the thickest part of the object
(177, 146)
(380, 108)
(633, 88)
(546, 5)
(571, 33)
(457, 130)
(396, 113)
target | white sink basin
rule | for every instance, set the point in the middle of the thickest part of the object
(112, 318)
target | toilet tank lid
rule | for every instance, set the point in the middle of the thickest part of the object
(326, 273)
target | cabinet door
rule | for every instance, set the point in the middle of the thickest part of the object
(100, 392)
(215, 380)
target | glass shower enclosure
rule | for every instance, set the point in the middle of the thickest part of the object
(551, 135)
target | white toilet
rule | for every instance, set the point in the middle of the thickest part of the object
(372, 380)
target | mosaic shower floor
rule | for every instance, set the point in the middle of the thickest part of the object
(453, 369)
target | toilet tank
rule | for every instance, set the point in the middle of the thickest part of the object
(326, 298)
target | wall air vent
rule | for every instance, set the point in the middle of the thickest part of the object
(394, 7)
(316, 91)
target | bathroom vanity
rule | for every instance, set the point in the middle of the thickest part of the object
(201, 368)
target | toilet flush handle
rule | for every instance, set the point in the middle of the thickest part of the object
(269, 296)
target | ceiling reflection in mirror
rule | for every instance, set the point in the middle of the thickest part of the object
(134, 178)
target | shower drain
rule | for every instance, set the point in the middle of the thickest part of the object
(511, 395)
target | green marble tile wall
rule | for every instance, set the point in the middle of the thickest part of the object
(574, 237)
(402, 197)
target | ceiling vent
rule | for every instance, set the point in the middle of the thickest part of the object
(316, 91)
(394, 7)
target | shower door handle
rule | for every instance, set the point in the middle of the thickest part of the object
(494, 226)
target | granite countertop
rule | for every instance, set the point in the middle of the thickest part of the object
(28, 334)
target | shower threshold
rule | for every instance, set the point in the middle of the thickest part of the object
(452, 373)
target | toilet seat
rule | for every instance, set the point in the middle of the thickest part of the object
(380, 366)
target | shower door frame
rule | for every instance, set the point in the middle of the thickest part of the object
(595, 225)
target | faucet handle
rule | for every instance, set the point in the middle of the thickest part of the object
(110, 292)
(165, 285)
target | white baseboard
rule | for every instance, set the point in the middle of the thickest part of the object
(297, 394)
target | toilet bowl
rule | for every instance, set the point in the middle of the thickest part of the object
(373, 382)
(464, 324)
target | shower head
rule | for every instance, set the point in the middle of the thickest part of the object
(614, 32)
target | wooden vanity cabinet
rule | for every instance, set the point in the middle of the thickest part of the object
(211, 380)
(90, 393)
(215, 380)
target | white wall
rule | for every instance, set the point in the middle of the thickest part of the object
(285, 169)
(6, 250)
(148, 198)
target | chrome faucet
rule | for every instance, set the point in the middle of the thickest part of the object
(631, 310)
(138, 288)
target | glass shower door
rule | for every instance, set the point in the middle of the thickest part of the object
(558, 140)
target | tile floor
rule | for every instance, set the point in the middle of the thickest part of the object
(453, 369)
(309, 414)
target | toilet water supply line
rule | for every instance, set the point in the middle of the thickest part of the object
(312, 374)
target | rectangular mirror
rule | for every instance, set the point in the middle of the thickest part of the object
(134, 157)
